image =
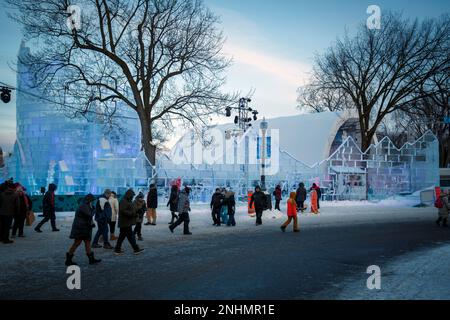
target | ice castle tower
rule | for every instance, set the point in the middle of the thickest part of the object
(80, 156)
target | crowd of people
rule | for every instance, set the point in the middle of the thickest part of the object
(15, 210)
(106, 213)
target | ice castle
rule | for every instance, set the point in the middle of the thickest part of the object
(81, 157)
(76, 154)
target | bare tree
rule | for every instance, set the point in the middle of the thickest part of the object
(381, 71)
(429, 113)
(161, 58)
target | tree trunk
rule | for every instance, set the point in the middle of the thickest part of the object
(147, 145)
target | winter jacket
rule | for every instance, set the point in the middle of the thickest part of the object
(301, 194)
(184, 205)
(23, 205)
(127, 212)
(8, 202)
(277, 193)
(103, 211)
(114, 203)
(48, 203)
(173, 200)
(82, 224)
(231, 202)
(139, 207)
(217, 201)
(292, 208)
(444, 211)
(152, 199)
(258, 200)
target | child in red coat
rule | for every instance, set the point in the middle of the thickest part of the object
(292, 213)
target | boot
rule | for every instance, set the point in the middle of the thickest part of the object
(69, 261)
(92, 259)
(107, 246)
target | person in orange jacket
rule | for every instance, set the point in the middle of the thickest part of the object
(292, 213)
(314, 201)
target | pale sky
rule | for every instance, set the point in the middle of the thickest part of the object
(272, 44)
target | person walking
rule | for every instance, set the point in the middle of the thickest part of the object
(319, 195)
(216, 207)
(24, 206)
(152, 205)
(258, 199)
(224, 208)
(278, 197)
(173, 203)
(314, 201)
(139, 206)
(443, 206)
(82, 231)
(291, 213)
(231, 203)
(49, 211)
(114, 203)
(301, 197)
(184, 207)
(8, 207)
(127, 219)
(103, 214)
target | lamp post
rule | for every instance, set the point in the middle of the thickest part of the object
(263, 126)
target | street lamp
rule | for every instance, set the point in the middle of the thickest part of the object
(244, 117)
(5, 94)
(263, 126)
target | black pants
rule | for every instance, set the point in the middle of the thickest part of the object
(277, 204)
(231, 220)
(300, 206)
(6, 222)
(174, 216)
(183, 218)
(259, 213)
(443, 220)
(19, 223)
(138, 229)
(102, 230)
(126, 233)
(216, 217)
(51, 218)
(112, 227)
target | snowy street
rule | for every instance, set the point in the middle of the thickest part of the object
(328, 259)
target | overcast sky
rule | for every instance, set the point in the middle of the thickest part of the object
(272, 44)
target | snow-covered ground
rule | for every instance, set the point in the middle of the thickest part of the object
(414, 276)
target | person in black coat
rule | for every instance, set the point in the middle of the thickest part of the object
(152, 205)
(173, 203)
(278, 197)
(8, 207)
(24, 205)
(82, 230)
(216, 206)
(48, 207)
(231, 203)
(301, 197)
(139, 206)
(259, 201)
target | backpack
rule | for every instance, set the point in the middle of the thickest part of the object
(102, 215)
(438, 203)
